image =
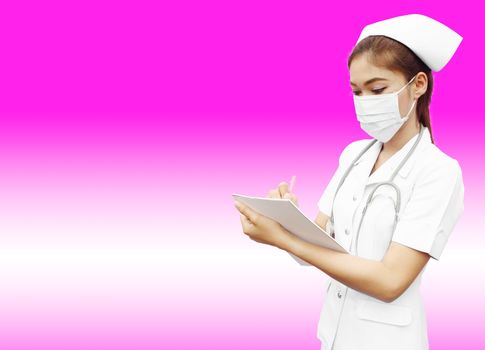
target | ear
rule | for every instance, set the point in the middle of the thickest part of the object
(420, 84)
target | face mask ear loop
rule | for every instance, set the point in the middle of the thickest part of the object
(409, 112)
(409, 82)
(414, 102)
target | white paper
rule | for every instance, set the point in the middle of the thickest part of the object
(291, 218)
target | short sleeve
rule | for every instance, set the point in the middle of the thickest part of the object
(326, 200)
(433, 210)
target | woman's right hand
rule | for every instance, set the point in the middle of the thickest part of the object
(282, 192)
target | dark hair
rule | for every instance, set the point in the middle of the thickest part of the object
(391, 54)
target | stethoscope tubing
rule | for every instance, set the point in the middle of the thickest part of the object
(390, 182)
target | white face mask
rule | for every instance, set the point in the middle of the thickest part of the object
(379, 115)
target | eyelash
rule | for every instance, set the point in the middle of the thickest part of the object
(377, 91)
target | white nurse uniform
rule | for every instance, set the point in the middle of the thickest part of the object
(432, 193)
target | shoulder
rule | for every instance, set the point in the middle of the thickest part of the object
(436, 164)
(352, 149)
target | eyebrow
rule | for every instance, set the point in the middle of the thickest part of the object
(370, 81)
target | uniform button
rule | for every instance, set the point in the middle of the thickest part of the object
(347, 231)
(339, 294)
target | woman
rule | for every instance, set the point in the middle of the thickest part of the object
(393, 200)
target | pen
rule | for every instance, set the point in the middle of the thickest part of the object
(292, 183)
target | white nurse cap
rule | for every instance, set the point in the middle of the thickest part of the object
(433, 42)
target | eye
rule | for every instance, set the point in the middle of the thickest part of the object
(378, 91)
(375, 91)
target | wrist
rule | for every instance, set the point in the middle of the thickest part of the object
(287, 241)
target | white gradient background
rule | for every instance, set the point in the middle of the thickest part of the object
(126, 127)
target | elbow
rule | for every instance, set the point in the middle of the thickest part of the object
(388, 297)
(391, 292)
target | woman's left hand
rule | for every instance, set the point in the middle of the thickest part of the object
(260, 228)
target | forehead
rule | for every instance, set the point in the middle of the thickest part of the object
(361, 70)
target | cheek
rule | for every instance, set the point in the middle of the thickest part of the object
(404, 104)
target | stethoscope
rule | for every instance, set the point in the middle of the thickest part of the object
(390, 182)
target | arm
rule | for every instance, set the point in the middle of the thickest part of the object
(385, 280)
(422, 232)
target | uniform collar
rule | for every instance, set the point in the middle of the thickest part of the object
(384, 172)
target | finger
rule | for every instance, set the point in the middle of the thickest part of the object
(246, 224)
(283, 188)
(274, 193)
(291, 196)
(245, 220)
(247, 212)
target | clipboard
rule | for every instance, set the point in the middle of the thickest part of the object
(285, 212)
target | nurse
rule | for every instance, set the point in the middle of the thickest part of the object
(393, 200)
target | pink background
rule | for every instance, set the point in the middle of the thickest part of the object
(126, 126)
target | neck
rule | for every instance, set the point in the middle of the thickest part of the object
(405, 133)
